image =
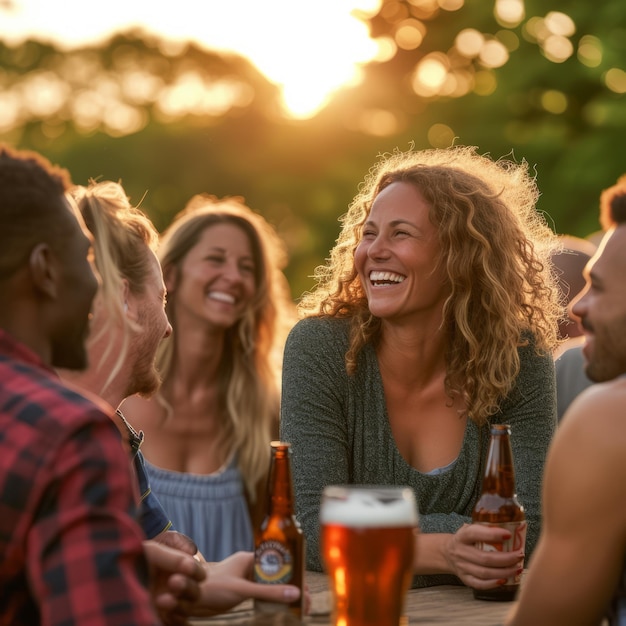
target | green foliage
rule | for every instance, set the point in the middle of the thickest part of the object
(171, 123)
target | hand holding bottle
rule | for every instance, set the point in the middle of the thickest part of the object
(499, 508)
(478, 568)
(279, 542)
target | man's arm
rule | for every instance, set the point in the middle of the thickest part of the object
(85, 553)
(578, 561)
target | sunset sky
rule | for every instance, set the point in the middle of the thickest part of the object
(309, 48)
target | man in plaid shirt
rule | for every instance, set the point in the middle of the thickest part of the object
(70, 549)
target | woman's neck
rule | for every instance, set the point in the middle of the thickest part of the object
(411, 357)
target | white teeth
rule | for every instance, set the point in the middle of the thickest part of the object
(386, 277)
(221, 296)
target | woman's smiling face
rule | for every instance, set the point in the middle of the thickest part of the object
(217, 278)
(397, 257)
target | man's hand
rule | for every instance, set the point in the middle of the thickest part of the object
(178, 541)
(174, 581)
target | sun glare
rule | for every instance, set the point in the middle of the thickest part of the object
(310, 76)
(308, 49)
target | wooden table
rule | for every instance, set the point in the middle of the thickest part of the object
(434, 605)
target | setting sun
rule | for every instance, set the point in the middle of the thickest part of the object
(308, 49)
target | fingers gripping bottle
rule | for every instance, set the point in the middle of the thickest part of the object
(498, 506)
(279, 542)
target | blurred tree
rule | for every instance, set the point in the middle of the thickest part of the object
(171, 121)
(512, 76)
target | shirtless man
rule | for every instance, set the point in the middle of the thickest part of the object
(577, 575)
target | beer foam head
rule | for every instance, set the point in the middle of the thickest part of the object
(368, 507)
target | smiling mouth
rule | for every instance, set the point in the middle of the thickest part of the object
(385, 278)
(221, 297)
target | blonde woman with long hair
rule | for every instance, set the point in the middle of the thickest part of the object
(209, 427)
(434, 317)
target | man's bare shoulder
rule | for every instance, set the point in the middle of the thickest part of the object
(601, 406)
(588, 456)
(590, 441)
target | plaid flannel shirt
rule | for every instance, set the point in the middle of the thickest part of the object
(70, 548)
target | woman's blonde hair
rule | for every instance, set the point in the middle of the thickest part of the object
(495, 250)
(123, 237)
(249, 373)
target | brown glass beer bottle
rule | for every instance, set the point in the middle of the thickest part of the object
(498, 506)
(279, 541)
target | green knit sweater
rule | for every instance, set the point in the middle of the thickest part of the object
(340, 433)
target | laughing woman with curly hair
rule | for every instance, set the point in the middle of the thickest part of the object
(434, 317)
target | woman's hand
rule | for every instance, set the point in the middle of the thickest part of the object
(228, 583)
(184, 587)
(478, 568)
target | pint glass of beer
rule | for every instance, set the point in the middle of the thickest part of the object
(367, 543)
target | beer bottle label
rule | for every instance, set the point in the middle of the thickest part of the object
(516, 542)
(273, 563)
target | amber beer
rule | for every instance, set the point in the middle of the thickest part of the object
(498, 506)
(368, 543)
(279, 542)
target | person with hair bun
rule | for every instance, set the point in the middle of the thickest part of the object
(128, 324)
(434, 317)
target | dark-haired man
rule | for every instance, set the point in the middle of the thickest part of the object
(70, 549)
(577, 574)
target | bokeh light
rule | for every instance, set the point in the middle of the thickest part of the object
(557, 49)
(469, 42)
(615, 80)
(590, 51)
(554, 101)
(410, 34)
(509, 13)
(485, 83)
(552, 34)
(430, 74)
(493, 54)
(440, 136)
(560, 24)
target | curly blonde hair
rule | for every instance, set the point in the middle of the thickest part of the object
(495, 251)
(252, 355)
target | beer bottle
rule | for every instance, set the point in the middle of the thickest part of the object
(498, 506)
(279, 541)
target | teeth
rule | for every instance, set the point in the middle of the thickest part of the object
(221, 296)
(385, 277)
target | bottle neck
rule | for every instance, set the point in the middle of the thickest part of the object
(281, 495)
(500, 474)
